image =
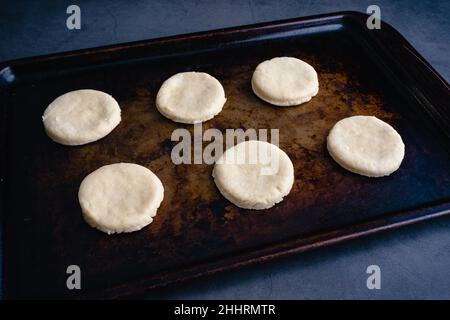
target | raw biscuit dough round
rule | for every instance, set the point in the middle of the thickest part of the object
(190, 97)
(285, 81)
(120, 197)
(81, 116)
(251, 181)
(366, 145)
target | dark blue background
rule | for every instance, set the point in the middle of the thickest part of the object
(414, 261)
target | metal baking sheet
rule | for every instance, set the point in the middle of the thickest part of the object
(197, 231)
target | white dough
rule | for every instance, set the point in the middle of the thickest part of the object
(190, 97)
(254, 174)
(366, 145)
(81, 116)
(120, 197)
(285, 81)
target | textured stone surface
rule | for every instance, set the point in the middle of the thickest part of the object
(415, 261)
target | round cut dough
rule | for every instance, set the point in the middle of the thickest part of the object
(190, 97)
(120, 197)
(366, 145)
(81, 116)
(254, 174)
(285, 81)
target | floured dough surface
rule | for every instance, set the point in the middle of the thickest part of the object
(190, 97)
(81, 116)
(120, 197)
(254, 174)
(366, 145)
(285, 81)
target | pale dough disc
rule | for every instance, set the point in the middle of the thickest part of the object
(190, 97)
(285, 81)
(81, 116)
(366, 145)
(254, 174)
(120, 197)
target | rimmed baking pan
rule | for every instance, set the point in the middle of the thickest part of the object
(197, 231)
